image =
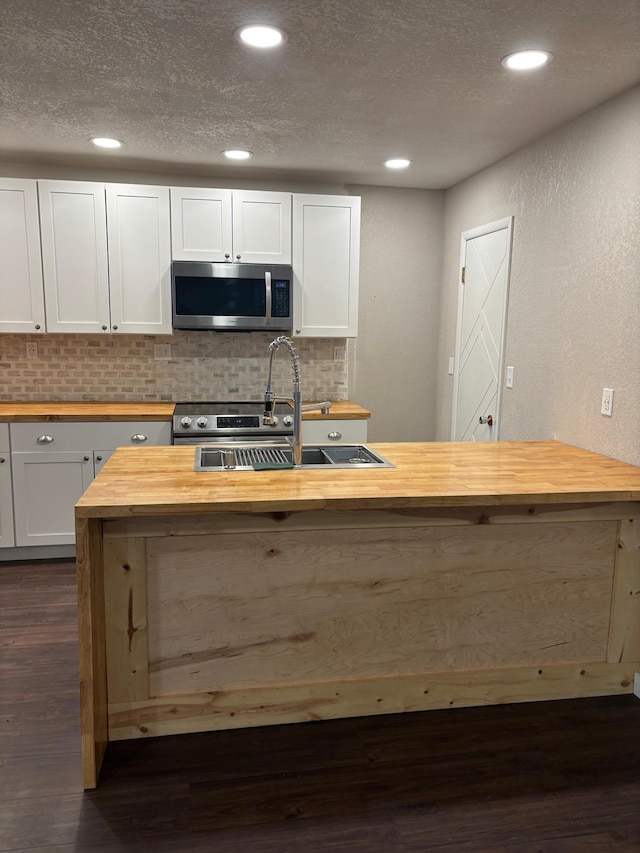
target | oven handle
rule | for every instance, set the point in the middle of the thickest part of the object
(194, 440)
(267, 293)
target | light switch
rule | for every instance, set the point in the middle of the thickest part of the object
(509, 381)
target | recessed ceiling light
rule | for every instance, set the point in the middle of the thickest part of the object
(261, 36)
(527, 60)
(237, 154)
(397, 163)
(105, 142)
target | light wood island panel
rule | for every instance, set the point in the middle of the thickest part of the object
(468, 574)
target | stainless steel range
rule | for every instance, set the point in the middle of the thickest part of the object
(211, 422)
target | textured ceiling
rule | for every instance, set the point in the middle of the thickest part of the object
(357, 81)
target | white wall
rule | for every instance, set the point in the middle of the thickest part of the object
(392, 362)
(574, 309)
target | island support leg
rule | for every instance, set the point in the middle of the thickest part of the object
(91, 629)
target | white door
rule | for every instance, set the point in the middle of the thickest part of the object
(74, 256)
(21, 295)
(261, 227)
(482, 310)
(201, 224)
(139, 259)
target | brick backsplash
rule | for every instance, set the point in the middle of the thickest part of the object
(203, 366)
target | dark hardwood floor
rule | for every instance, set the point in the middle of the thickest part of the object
(550, 777)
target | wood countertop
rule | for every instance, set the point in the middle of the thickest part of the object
(81, 411)
(142, 411)
(161, 481)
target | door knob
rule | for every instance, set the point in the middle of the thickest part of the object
(486, 420)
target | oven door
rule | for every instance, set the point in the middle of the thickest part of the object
(259, 438)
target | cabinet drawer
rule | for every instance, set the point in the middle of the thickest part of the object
(47, 436)
(323, 432)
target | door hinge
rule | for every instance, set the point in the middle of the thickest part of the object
(463, 274)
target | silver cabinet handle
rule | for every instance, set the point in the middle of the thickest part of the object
(486, 420)
(267, 293)
(44, 439)
(138, 438)
(335, 436)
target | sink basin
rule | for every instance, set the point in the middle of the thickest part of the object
(243, 457)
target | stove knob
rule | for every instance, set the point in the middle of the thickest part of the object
(287, 420)
(186, 423)
(202, 422)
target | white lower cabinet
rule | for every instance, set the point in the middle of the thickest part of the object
(338, 431)
(50, 473)
(46, 487)
(6, 502)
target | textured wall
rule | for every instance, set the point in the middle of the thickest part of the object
(393, 359)
(203, 366)
(574, 307)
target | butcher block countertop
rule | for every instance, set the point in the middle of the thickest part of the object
(160, 480)
(143, 411)
(81, 411)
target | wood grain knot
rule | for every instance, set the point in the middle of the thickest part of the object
(273, 552)
(126, 567)
(625, 683)
(301, 638)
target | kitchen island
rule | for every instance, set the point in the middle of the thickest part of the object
(467, 574)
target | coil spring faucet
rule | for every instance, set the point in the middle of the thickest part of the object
(270, 399)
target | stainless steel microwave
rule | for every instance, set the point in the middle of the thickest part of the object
(231, 297)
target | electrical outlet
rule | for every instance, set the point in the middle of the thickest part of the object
(451, 365)
(509, 381)
(607, 402)
(32, 349)
(161, 351)
(338, 353)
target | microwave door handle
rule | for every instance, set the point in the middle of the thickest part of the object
(267, 293)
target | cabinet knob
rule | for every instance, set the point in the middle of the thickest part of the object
(98, 458)
(104, 328)
(2, 459)
(86, 458)
(138, 438)
(44, 439)
(335, 436)
(115, 328)
(37, 327)
(227, 255)
(238, 257)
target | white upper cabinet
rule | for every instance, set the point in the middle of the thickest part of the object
(261, 227)
(201, 224)
(74, 256)
(326, 265)
(239, 226)
(139, 259)
(94, 286)
(21, 294)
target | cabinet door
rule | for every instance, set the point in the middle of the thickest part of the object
(99, 459)
(200, 224)
(139, 259)
(46, 487)
(21, 294)
(261, 227)
(326, 264)
(6, 494)
(74, 256)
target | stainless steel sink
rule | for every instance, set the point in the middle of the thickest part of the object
(248, 457)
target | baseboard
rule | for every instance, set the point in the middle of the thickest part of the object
(37, 552)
